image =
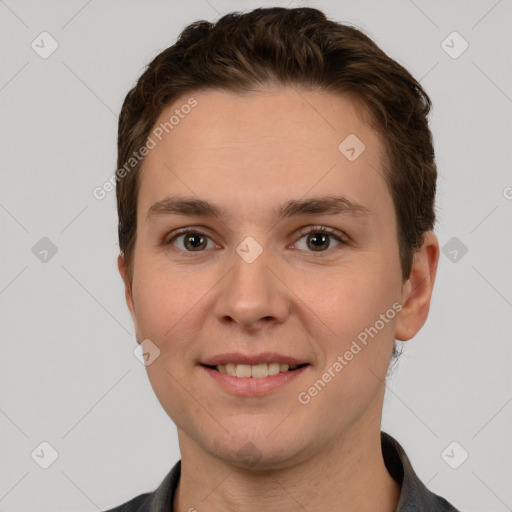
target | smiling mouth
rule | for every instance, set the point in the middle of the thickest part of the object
(256, 371)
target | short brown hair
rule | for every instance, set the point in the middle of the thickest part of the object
(243, 51)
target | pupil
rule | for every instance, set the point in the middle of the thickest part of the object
(319, 237)
(195, 241)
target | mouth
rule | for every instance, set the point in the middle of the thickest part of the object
(255, 371)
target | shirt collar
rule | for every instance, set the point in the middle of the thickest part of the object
(414, 496)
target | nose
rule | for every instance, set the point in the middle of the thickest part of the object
(253, 295)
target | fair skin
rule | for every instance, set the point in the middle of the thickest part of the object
(197, 298)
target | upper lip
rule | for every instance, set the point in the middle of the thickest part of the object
(263, 357)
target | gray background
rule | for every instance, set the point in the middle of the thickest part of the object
(68, 373)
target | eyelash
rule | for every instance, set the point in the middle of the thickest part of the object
(306, 231)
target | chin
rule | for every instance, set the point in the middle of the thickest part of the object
(261, 451)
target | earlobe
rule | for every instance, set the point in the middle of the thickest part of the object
(417, 290)
(127, 283)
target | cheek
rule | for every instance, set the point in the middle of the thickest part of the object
(164, 301)
(359, 310)
(167, 306)
(350, 302)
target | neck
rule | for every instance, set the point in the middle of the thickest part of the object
(350, 474)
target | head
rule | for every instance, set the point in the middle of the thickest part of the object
(254, 132)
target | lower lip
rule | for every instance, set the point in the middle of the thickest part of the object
(250, 386)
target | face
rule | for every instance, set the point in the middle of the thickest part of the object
(293, 262)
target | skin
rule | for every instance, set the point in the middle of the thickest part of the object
(248, 154)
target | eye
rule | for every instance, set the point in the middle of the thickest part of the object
(318, 239)
(191, 240)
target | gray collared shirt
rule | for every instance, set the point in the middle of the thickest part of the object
(414, 496)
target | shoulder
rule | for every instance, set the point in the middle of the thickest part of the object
(160, 500)
(414, 495)
(140, 503)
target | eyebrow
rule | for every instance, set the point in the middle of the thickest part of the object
(326, 205)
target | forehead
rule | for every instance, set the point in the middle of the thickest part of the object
(279, 141)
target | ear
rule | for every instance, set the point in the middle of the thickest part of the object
(417, 290)
(127, 284)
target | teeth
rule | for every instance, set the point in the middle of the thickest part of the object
(273, 368)
(256, 371)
